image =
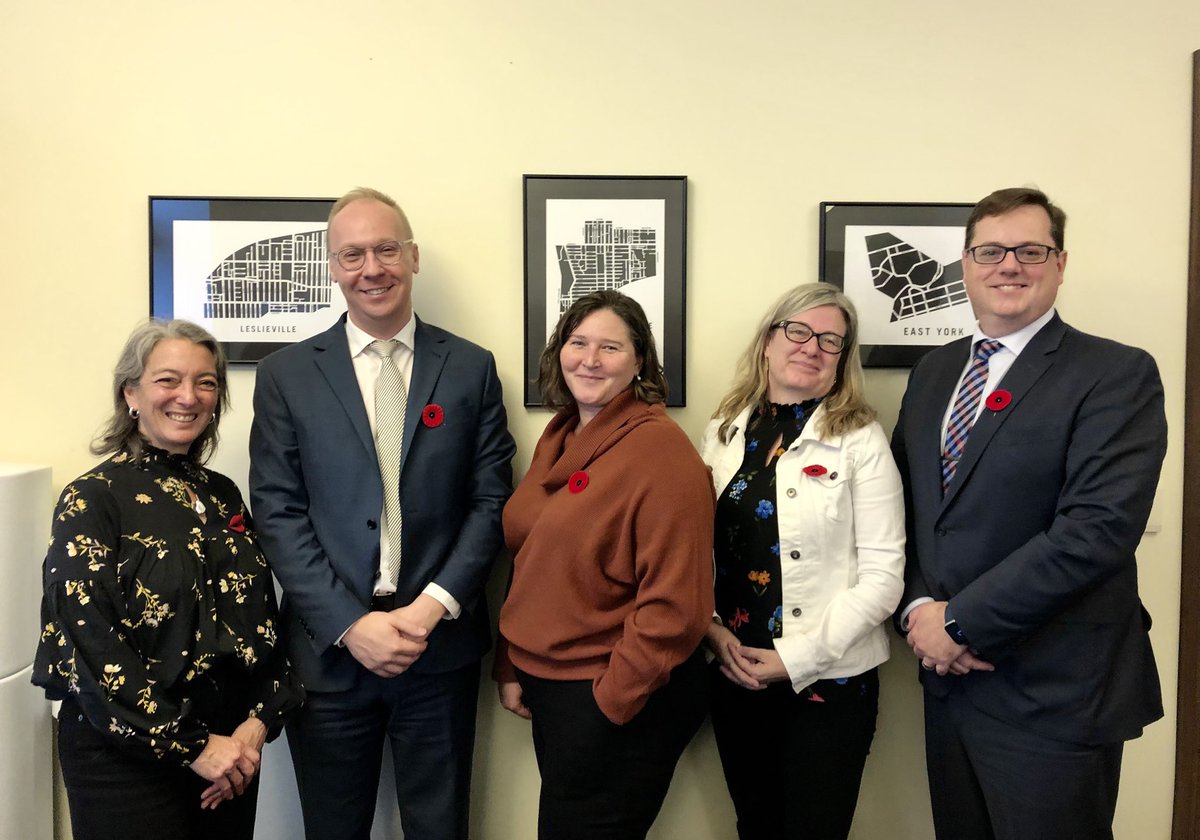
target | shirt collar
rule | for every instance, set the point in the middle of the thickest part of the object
(359, 339)
(1016, 341)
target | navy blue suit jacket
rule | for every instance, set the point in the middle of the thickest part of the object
(1033, 544)
(317, 496)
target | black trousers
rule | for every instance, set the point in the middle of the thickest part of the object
(337, 742)
(601, 781)
(115, 795)
(991, 780)
(793, 763)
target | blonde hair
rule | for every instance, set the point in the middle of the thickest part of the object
(360, 193)
(845, 405)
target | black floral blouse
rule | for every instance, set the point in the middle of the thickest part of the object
(159, 614)
(749, 594)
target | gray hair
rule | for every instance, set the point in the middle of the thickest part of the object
(121, 430)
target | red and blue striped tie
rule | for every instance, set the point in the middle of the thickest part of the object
(962, 416)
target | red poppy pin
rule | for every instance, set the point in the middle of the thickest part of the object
(815, 470)
(432, 415)
(577, 482)
(998, 400)
(238, 523)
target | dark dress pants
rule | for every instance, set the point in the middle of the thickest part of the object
(601, 781)
(991, 780)
(793, 761)
(115, 795)
(337, 749)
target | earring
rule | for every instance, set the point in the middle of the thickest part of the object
(212, 418)
(134, 413)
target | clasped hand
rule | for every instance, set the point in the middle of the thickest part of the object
(388, 643)
(750, 667)
(931, 643)
(230, 762)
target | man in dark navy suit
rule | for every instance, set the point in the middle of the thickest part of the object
(380, 463)
(1030, 454)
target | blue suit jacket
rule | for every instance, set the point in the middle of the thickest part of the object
(1033, 544)
(317, 496)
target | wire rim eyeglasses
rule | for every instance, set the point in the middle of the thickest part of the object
(386, 253)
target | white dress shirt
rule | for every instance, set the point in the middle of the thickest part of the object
(366, 370)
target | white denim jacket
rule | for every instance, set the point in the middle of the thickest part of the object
(841, 544)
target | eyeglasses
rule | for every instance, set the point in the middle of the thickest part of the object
(387, 253)
(1027, 254)
(800, 332)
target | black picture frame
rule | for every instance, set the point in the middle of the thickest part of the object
(252, 271)
(558, 207)
(901, 265)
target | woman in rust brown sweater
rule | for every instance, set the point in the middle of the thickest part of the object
(611, 536)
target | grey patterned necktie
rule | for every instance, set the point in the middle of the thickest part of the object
(390, 400)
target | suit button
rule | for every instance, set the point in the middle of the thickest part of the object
(791, 492)
(795, 555)
(941, 532)
(796, 612)
(372, 525)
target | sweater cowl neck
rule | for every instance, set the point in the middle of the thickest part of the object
(621, 416)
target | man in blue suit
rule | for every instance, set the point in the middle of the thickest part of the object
(383, 597)
(1030, 454)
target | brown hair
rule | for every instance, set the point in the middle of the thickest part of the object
(1009, 199)
(650, 386)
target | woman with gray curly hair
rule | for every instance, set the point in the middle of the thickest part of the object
(158, 612)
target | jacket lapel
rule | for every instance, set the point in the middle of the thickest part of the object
(429, 357)
(1026, 370)
(332, 357)
(926, 459)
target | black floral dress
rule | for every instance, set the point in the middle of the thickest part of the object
(158, 613)
(749, 593)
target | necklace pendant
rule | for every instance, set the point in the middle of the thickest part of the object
(198, 506)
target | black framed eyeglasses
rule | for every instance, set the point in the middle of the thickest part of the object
(387, 253)
(1026, 254)
(799, 332)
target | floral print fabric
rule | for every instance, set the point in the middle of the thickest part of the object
(749, 594)
(157, 610)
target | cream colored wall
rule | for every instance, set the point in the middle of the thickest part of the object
(769, 108)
